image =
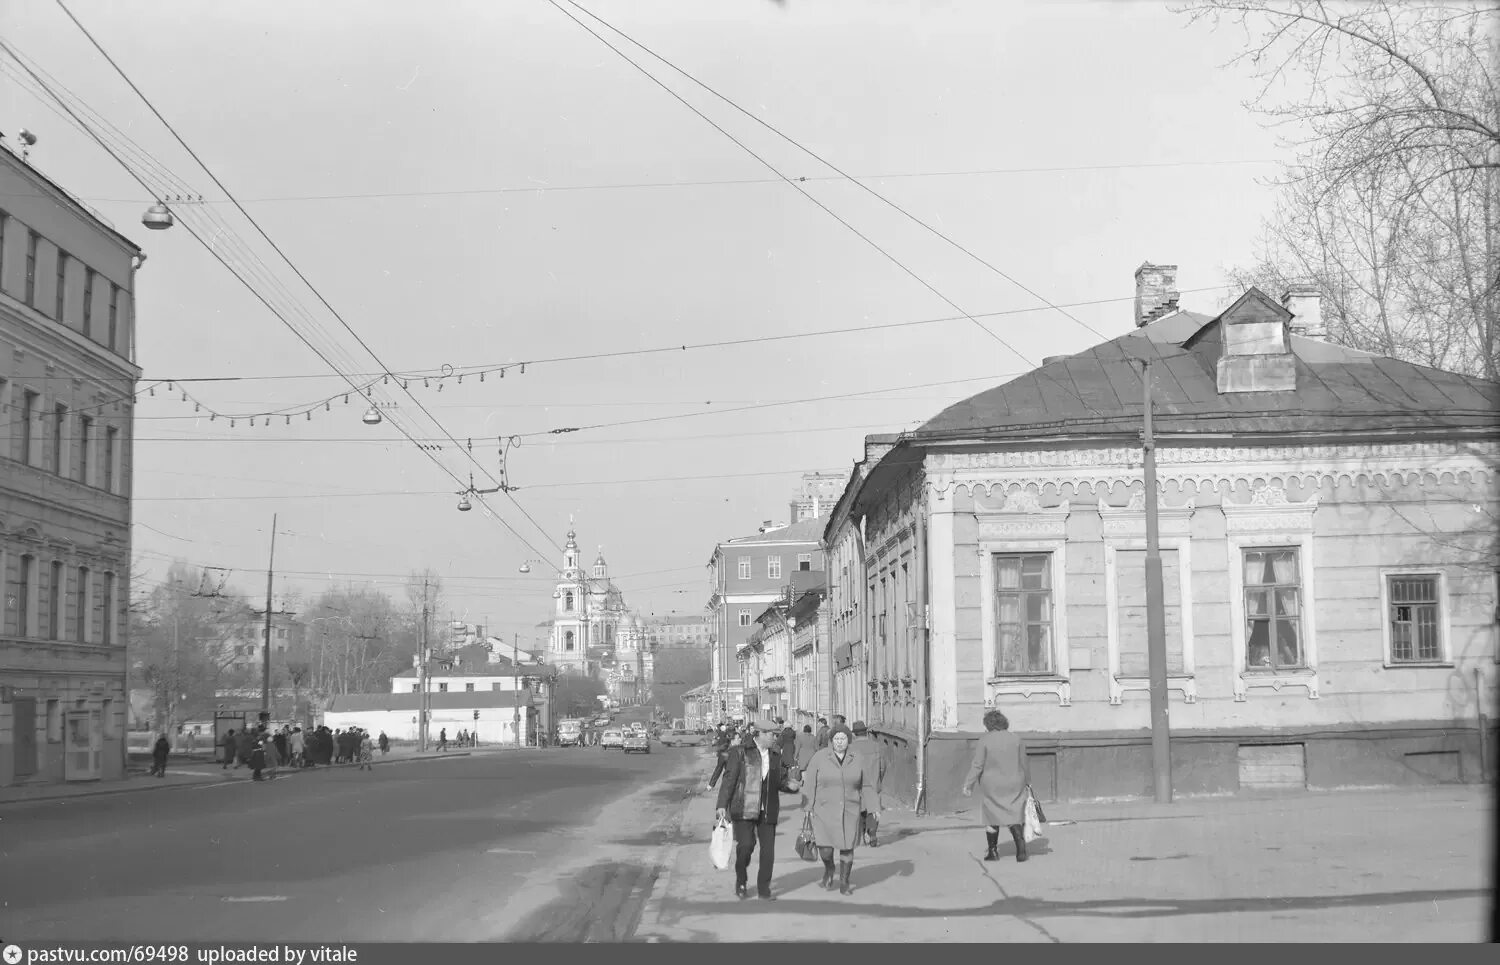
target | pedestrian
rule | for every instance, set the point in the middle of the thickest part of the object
(822, 736)
(722, 743)
(787, 744)
(192, 741)
(750, 798)
(1000, 769)
(864, 744)
(385, 744)
(228, 746)
(366, 752)
(298, 742)
(839, 786)
(443, 739)
(257, 760)
(159, 756)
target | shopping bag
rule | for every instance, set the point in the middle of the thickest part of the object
(721, 845)
(807, 848)
(1032, 826)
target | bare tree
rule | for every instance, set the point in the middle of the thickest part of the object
(1392, 206)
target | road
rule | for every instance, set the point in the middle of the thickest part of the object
(516, 845)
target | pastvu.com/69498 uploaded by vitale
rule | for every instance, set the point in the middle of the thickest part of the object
(180, 954)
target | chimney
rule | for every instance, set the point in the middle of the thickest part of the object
(1155, 292)
(1306, 305)
(792, 513)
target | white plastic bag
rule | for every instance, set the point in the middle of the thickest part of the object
(1031, 828)
(721, 845)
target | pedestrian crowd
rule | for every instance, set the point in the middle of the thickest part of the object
(264, 749)
(839, 771)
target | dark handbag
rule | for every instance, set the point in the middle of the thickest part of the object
(807, 849)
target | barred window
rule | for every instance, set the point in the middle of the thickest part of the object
(1415, 634)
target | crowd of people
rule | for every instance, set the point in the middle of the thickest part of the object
(264, 749)
(839, 771)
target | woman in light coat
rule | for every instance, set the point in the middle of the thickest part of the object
(839, 785)
(1003, 777)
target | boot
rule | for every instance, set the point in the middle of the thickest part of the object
(1020, 838)
(846, 868)
(992, 844)
(827, 856)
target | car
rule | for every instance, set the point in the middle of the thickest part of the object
(602, 720)
(636, 741)
(614, 737)
(680, 738)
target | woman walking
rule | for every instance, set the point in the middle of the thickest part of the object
(159, 756)
(839, 785)
(1003, 777)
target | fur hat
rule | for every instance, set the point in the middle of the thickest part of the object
(860, 729)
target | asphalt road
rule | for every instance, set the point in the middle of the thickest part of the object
(555, 844)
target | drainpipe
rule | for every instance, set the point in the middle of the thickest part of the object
(1484, 759)
(866, 625)
(922, 645)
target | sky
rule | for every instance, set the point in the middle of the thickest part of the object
(481, 184)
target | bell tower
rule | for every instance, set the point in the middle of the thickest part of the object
(569, 643)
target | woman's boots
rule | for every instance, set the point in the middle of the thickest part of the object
(992, 844)
(846, 868)
(827, 855)
(1019, 836)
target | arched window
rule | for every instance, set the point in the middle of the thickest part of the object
(568, 640)
(568, 604)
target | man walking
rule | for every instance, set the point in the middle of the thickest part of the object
(750, 796)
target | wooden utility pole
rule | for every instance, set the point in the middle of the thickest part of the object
(422, 673)
(265, 670)
(1156, 624)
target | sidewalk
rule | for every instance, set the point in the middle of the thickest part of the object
(1393, 865)
(200, 770)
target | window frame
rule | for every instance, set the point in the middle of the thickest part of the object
(57, 599)
(744, 568)
(744, 618)
(108, 634)
(26, 580)
(804, 558)
(86, 321)
(84, 605)
(33, 242)
(30, 401)
(1444, 609)
(85, 440)
(59, 439)
(114, 316)
(1186, 678)
(773, 567)
(1056, 550)
(1300, 618)
(60, 302)
(111, 453)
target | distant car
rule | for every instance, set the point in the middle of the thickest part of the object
(614, 737)
(680, 738)
(602, 720)
(636, 741)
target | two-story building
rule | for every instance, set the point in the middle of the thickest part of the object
(748, 574)
(67, 384)
(1327, 522)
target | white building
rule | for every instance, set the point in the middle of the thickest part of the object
(494, 715)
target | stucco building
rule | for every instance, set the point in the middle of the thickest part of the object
(1328, 538)
(67, 380)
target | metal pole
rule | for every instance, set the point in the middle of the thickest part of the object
(265, 670)
(515, 667)
(422, 656)
(1156, 627)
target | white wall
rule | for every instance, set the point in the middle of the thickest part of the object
(495, 724)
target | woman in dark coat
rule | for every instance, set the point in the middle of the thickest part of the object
(839, 785)
(159, 756)
(1002, 774)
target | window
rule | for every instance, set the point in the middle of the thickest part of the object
(1130, 599)
(1414, 615)
(81, 606)
(114, 313)
(1273, 609)
(59, 421)
(804, 562)
(568, 601)
(107, 637)
(442, 688)
(28, 416)
(32, 239)
(496, 685)
(416, 688)
(55, 599)
(111, 443)
(25, 581)
(281, 633)
(4, 221)
(773, 567)
(85, 440)
(107, 718)
(469, 688)
(744, 567)
(1023, 613)
(54, 721)
(744, 618)
(62, 285)
(568, 640)
(88, 302)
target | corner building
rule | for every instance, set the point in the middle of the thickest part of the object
(67, 379)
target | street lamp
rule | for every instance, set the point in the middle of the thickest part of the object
(463, 496)
(526, 564)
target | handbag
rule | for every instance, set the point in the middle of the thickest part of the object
(1032, 825)
(807, 848)
(721, 845)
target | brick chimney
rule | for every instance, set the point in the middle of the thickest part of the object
(1155, 292)
(1306, 305)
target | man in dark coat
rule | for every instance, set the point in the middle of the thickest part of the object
(228, 744)
(750, 797)
(823, 731)
(159, 756)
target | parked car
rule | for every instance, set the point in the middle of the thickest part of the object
(681, 738)
(636, 741)
(614, 737)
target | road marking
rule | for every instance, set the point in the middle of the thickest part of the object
(255, 898)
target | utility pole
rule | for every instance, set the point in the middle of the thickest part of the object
(1156, 624)
(422, 672)
(265, 669)
(515, 668)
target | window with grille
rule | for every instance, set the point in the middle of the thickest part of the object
(1273, 609)
(1415, 633)
(1023, 613)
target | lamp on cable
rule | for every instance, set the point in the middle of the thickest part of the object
(372, 418)
(526, 564)
(464, 505)
(158, 217)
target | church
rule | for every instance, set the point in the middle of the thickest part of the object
(592, 632)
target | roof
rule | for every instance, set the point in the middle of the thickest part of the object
(699, 691)
(460, 700)
(802, 531)
(1338, 389)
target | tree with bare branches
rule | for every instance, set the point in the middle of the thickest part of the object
(1392, 205)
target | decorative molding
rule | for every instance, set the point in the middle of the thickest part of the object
(1022, 516)
(1060, 687)
(1269, 511)
(1186, 683)
(1286, 678)
(1123, 522)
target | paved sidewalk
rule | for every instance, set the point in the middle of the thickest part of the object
(202, 771)
(1353, 866)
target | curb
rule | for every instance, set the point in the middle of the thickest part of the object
(666, 862)
(101, 792)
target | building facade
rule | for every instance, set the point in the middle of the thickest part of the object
(67, 382)
(1328, 544)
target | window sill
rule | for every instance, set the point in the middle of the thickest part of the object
(1276, 679)
(1028, 684)
(1420, 665)
(1119, 684)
